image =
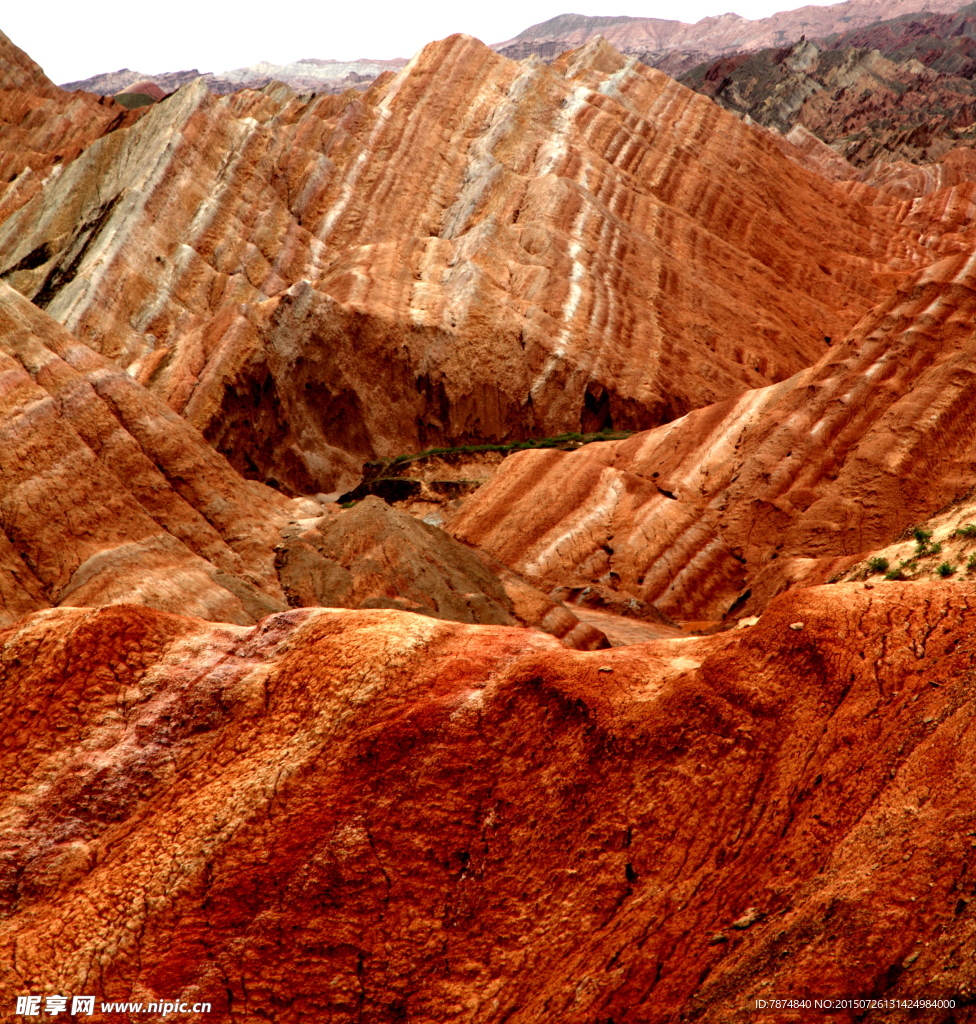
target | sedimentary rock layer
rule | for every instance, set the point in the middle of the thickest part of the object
(871, 110)
(474, 249)
(349, 815)
(374, 556)
(43, 128)
(714, 513)
(107, 495)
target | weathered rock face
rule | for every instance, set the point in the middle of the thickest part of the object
(107, 495)
(43, 128)
(377, 816)
(871, 110)
(373, 556)
(714, 513)
(338, 287)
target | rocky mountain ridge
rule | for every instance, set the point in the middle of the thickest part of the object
(273, 308)
(910, 99)
(302, 758)
(309, 75)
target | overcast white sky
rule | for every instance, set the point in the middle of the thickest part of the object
(73, 40)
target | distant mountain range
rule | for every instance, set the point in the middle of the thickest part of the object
(674, 47)
(309, 75)
(727, 33)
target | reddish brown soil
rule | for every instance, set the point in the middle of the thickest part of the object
(373, 816)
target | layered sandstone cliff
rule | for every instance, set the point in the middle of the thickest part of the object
(359, 814)
(107, 496)
(712, 514)
(313, 282)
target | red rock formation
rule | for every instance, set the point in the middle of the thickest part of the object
(348, 815)
(714, 513)
(106, 495)
(341, 288)
(373, 556)
(43, 128)
(870, 110)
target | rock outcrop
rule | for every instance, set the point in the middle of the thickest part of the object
(711, 515)
(309, 75)
(373, 556)
(43, 128)
(327, 286)
(870, 110)
(370, 815)
(107, 496)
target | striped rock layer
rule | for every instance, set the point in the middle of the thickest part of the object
(354, 816)
(107, 496)
(474, 249)
(42, 127)
(714, 513)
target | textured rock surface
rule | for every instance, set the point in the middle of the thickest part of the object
(310, 75)
(871, 110)
(373, 556)
(43, 128)
(324, 288)
(714, 513)
(107, 495)
(354, 816)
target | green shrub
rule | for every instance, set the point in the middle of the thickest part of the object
(971, 564)
(969, 530)
(945, 569)
(516, 446)
(895, 574)
(922, 537)
(935, 549)
(878, 564)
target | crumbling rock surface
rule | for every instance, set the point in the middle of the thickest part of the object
(713, 514)
(312, 282)
(370, 815)
(43, 128)
(107, 495)
(373, 556)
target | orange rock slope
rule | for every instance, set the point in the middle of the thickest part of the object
(712, 514)
(374, 816)
(107, 496)
(42, 127)
(474, 249)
